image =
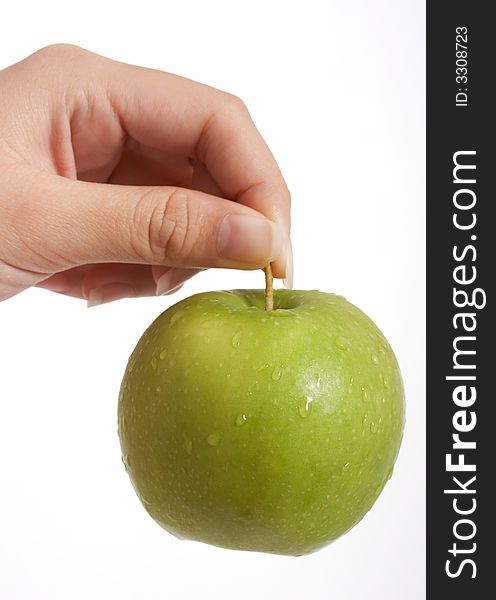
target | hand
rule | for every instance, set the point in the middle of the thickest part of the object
(118, 181)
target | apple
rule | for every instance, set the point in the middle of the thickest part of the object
(272, 431)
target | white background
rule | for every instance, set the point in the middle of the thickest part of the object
(337, 89)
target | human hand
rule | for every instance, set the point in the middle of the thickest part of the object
(118, 181)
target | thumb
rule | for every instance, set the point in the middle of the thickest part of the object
(77, 222)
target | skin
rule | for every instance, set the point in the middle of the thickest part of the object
(265, 431)
(119, 181)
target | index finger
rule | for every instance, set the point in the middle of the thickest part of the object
(179, 115)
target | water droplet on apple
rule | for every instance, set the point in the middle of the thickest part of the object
(158, 389)
(235, 341)
(163, 354)
(171, 518)
(305, 407)
(213, 439)
(341, 343)
(247, 514)
(345, 467)
(126, 462)
(385, 382)
(375, 359)
(154, 363)
(241, 419)
(188, 445)
(365, 396)
(373, 427)
(276, 373)
(176, 316)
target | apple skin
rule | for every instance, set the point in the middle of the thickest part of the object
(265, 431)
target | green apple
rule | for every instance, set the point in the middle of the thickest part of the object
(273, 431)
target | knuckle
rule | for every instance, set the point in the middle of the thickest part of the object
(230, 111)
(235, 103)
(165, 223)
(59, 52)
(51, 72)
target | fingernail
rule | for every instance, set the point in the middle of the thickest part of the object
(173, 290)
(109, 292)
(249, 240)
(173, 279)
(288, 280)
(166, 284)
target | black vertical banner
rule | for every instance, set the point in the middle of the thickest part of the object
(461, 269)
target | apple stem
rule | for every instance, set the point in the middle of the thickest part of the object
(269, 288)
